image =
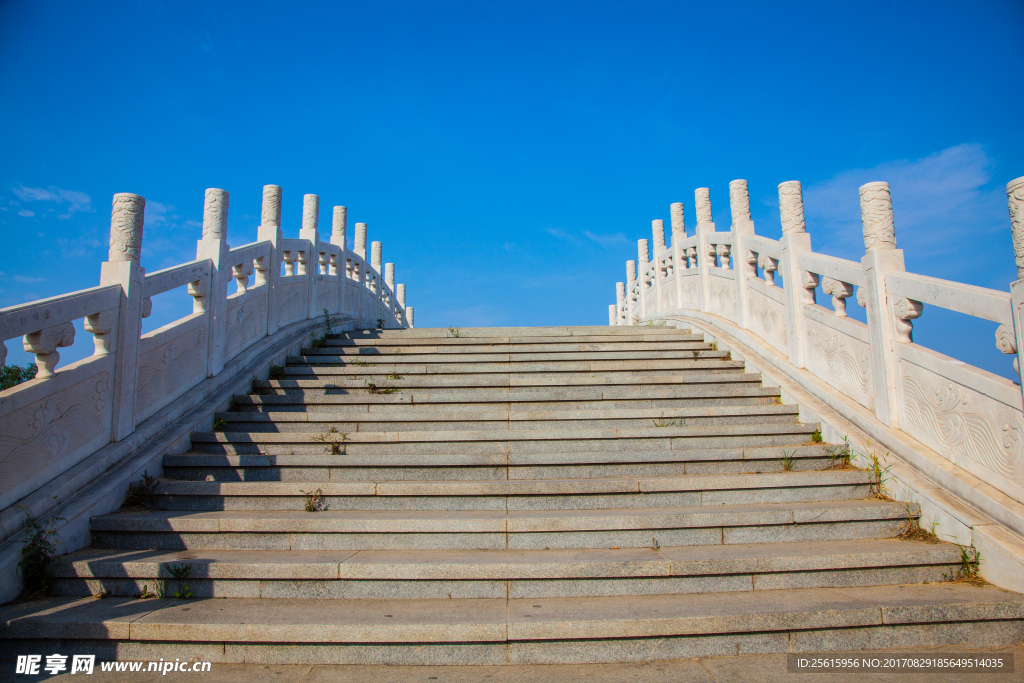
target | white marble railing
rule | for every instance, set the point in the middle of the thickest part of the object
(50, 424)
(971, 417)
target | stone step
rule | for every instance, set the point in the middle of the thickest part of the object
(501, 529)
(327, 355)
(499, 631)
(493, 466)
(515, 332)
(627, 337)
(452, 418)
(509, 574)
(336, 365)
(509, 441)
(337, 380)
(314, 396)
(357, 348)
(516, 494)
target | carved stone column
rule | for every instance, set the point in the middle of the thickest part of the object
(400, 295)
(127, 217)
(361, 308)
(270, 231)
(794, 240)
(620, 302)
(611, 315)
(630, 284)
(881, 257)
(705, 225)
(311, 231)
(678, 214)
(214, 246)
(1015, 200)
(742, 225)
(359, 246)
(389, 280)
(339, 225)
(643, 261)
(658, 232)
(410, 317)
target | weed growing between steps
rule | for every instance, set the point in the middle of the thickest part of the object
(38, 552)
(395, 376)
(454, 331)
(372, 388)
(315, 500)
(970, 563)
(276, 372)
(258, 388)
(839, 455)
(788, 460)
(380, 323)
(334, 439)
(364, 364)
(140, 493)
(816, 435)
(912, 531)
(180, 573)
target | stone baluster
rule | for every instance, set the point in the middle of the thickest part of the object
(742, 227)
(839, 291)
(309, 261)
(241, 273)
(44, 345)
(723, 251)
(643, 260)
(122, 268)
(1015, 201)
(270, 231)
(339, 225)
(769, 266)
(881, 257)
(809, 287)
(289, 263)
(794, 240)
(409, 317)
(102, 327)
(213, 245)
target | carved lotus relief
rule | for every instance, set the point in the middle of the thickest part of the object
(963, 421)
(246, 323)
(39, 434)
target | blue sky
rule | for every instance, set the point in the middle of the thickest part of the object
(508, 154)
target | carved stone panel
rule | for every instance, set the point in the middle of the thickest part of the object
(958, 421)
(246, 323)
(839, 359)
(689, 291)
(722, 297)
(293, 302)
(36, 436)
(169, 368)
(768, 320)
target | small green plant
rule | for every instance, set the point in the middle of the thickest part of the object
(365, 364)
(180, 572)
(454, 331)
(654, 543)
(714, 346)
(328, 325)
(696, 353)
(816, 435)
(970, 563)
(39, 550)
(276, 372)
(374, 389)
(315, 341)
(788, 460)
(233, 404)
(334, 439)
(662, 422)
(103, 594)
(258, 388)
(398, 351)
(839, 454)
(314, 500)
(141, 492)
(145, 593)
(395, 376)
(219, 424)
(13, 375)
(879, 474)
(380, 323)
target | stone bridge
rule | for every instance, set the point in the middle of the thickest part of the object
(293, 474)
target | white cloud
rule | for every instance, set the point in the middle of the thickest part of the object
(75, 201)
(938, 201)
(159, 214)
(26, 213)
(606, 240)
(27, 279)
(561, 234)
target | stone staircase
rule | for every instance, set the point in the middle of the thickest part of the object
(509, 495)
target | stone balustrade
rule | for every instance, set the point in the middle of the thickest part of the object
(240, 299)
(726, 281)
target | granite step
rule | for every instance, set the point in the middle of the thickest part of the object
(629, 337)
(420, 466)
(457, 418)
(516, 494)
(351, 348)
(500, 631)
(328, 355)
(500, 529)
(516, 332)
(507, 574)
(342, 365)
